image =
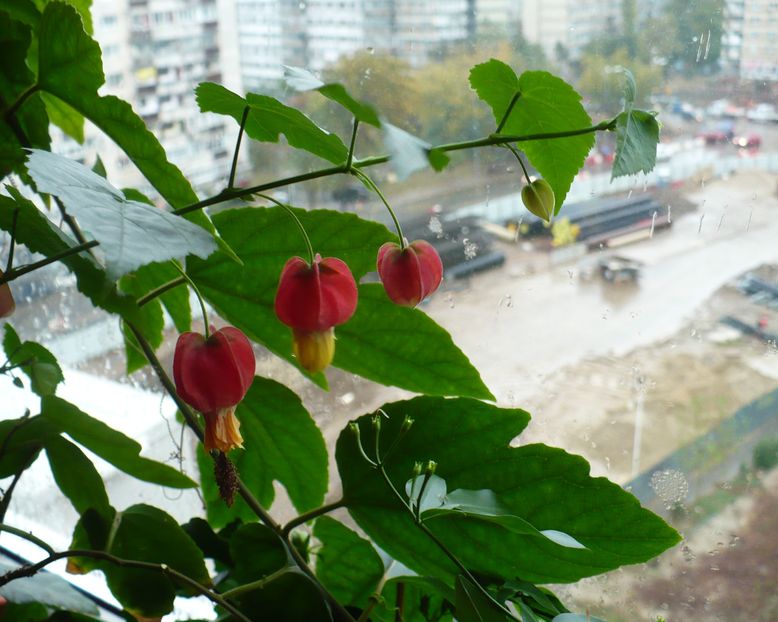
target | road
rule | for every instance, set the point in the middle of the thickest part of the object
(518, 330)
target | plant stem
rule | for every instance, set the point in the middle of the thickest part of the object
(350, 158)
(370, 183)
(372, 601)
(10, 490)
(399, 602)
(508, 111)
(200, 299)
(290, 211)
(234, 167)
(12, 246)
(27, 536)
(493, 139)
(502, 139)
(310, 515)
(255, 585)
(31, 569)
(157, 292)
(515, 152)
(74, 250)
(71, 222)
(11, 110)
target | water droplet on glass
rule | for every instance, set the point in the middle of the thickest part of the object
(670, 486)
(371, 50)
(436, 226)
(471, 248)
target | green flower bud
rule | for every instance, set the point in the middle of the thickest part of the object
(538, 198)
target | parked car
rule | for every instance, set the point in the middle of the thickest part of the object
(751, 142)
(763, 113)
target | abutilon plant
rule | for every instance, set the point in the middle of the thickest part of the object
(212, 374)
(312, 299)
(409, 274)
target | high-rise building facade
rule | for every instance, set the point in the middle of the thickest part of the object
(749, 41)
(568, 25)
(155, 52)
(316, 33)
(759, 47)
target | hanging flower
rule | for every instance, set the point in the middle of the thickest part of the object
(409, 274)
(7, 304)
(213, 375)
(312, 299)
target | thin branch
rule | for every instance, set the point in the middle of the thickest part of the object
(488, 141)
(175, 575)
(372, 601)
(12, 246)
(508, 111)
(11, 110)
(290, 211)
(74, 250)
(372, 185)
(162, 289)
(516, 153)
(70, 221)
(350, 158)
(10, 491)
(399, 602)
(255, 585)
(26, 535)
(307, 516)
(234, 167)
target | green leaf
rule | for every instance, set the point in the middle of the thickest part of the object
(45, 588)
(33, 359)
(15, 77)
(288, 594)
(175, 301)
(347, 564)
(404, 347)
(303, 80)
(63, 116)
(282, 443)
(131, 234)
(548, 488)
(214, 546)
(547, 105)
(77, 477)
(268, 118)
(21, 440)
(145, 533)
(473, 606)
(39, 235)
(244, 295)
(409, 153)
(23, 11)
(111, 445)
(637, 135)
(482, 505)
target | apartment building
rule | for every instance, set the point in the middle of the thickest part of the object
(155, 52)
(316, 33)
(568, 24)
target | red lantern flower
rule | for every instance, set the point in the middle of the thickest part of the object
(213, 375)
(409, 274)
(312, 299)
(7, 304)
